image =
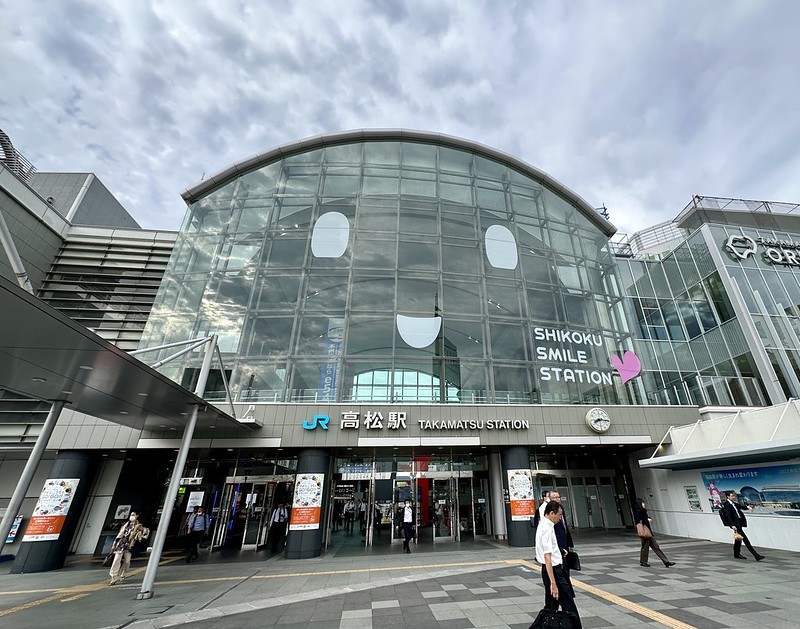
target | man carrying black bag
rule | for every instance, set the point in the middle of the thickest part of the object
(557, 591)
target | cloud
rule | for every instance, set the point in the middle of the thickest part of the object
(637, 106)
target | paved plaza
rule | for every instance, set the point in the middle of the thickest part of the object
(452, 586)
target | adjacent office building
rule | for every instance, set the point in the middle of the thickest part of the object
(411, 315)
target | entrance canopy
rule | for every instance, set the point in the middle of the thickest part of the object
(758, 435)
(47, 356)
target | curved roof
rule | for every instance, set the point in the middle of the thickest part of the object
(195, 192)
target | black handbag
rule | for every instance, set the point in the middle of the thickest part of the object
(108, 560)
(554, 619)
(573, 561)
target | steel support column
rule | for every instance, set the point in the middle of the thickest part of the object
(172, 491)
(30, 469)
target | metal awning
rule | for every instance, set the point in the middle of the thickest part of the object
(746, 454)
(47, 356)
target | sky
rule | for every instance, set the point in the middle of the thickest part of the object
(637, 106)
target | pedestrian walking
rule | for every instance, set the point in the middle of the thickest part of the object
(349, 515)
(196, 529)
(645, 533)
(563, 537)
(128, 535)
(278, 522)
(407, 525)
(557, 591)
(733, 516)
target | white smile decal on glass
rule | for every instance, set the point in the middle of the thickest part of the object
(329, 240)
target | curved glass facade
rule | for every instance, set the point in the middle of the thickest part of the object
(395, 271)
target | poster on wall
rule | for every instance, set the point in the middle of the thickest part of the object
(12, 534)
(122, 512)
(520, 494)
(51, 510)
(774, 489)
(693, 498)
(195, 500)
(307, 502)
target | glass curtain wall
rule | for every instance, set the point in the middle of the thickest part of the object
(696, 351)
(397, 272)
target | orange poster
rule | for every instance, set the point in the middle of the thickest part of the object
(520, 494)
(51, 510)
(307, 502)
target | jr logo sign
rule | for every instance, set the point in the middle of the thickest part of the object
(321, 420)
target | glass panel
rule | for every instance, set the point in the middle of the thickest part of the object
(418, 255)
(372, 294)
(326, 293)
(460, 298)
(370, 336)
(372, 253)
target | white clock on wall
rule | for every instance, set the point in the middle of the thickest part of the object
(598, 420)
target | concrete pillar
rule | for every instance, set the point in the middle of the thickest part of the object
(496, 496)
(51, 555)
(520, 533)
(307, 544)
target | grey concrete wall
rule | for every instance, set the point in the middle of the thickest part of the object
(547, 425)
(34, 227)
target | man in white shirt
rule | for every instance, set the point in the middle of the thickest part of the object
(556, 589)
(407, 525)
(278, 522)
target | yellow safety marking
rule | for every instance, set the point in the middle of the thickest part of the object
(617, 600)
(82, 590)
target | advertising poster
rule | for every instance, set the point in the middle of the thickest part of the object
(329, 371)
(520, 494)
(773, 490)
(693, 498)
(12, 534)
(195, 500)
(307, 502)
(51, 510)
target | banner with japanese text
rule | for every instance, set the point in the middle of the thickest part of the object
(307, 502)
(520, 494)
(772, 489)
(51, 510)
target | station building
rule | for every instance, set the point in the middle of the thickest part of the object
(411, 315)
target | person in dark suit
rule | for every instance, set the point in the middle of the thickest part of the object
(563, 537)
(640, 517)
(732, 516)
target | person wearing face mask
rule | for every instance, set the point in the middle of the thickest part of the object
(407, 515)
(128, 535)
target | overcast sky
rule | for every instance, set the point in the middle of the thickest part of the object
(635, 105)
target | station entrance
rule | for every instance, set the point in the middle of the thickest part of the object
(247, 502)
(450, 496)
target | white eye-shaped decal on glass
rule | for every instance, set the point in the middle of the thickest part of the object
(501, 247)
(418, 331)
(330, 236)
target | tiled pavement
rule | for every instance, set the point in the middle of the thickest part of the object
(489, 586)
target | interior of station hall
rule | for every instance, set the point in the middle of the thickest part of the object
(401, 314)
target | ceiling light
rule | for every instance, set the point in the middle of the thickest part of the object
(123, 412)
(85, 367)
(67, 392)
(142, 394)
(39, 379)
(162, 425)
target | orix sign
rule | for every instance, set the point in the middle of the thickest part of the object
(786, 252)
